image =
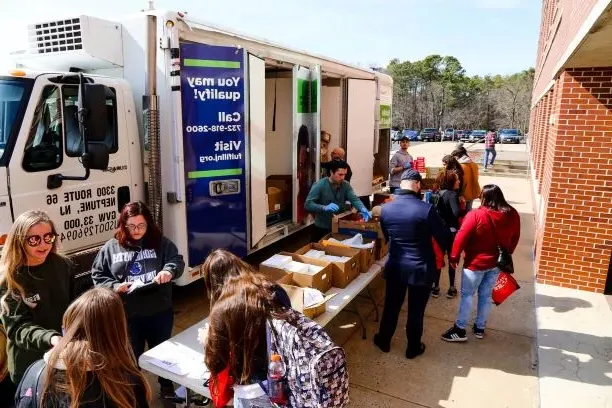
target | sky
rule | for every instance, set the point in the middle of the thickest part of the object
(487, 36)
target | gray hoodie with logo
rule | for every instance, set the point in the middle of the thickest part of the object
(116, 264)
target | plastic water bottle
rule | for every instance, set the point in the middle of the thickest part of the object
(276, 380)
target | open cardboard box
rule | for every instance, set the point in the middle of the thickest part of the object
(367, 256)
(343, 273)
(349, 223)
(321, 280)
(296, 296)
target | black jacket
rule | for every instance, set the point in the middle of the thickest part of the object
(449, 208)
(409, 225)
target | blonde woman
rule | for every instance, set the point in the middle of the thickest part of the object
(35, 290)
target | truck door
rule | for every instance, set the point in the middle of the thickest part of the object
(257, 147)
(360, 133)
(306, 129)
(84, 212)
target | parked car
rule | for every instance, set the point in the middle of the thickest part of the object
(465, 136)
(411, 134)
(449, 134)
(510, 136)
(477, 136)
(430, 135)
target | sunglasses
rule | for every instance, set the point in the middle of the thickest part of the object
(137, 227)
(35, 240)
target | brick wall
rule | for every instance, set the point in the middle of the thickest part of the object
(574, 242)
(554, 40)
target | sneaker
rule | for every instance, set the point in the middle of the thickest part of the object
(479, 333)
(452, 292)
(384, 347)
(455, 334)
(435, 291)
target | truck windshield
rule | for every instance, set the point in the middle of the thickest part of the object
(14, 94)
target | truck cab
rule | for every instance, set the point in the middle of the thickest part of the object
(219, 134)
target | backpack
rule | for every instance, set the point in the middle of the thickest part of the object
(30, 387)
(438, 203)
(317, 375)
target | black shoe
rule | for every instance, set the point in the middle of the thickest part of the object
(455, 334)
(452, 292)
(479, 333)
(167, 392)
(383, 346)
(435, 291)
(412, 354)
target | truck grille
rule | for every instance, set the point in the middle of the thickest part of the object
(55, 36)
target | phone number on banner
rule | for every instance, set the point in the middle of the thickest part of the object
(213, 128)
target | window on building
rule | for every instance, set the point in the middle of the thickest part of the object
(74, 141)
(43, 149)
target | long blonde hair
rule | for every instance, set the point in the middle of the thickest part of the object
(96, 341)
(13, 255)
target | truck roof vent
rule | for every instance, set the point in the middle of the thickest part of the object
(55, 36)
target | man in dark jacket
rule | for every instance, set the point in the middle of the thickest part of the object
(409, 225)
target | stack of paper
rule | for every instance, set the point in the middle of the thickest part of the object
(277, 261)
(313, 253)
(312, 297)
(354, 242)
(333, 258)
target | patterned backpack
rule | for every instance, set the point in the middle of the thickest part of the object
(316, 368)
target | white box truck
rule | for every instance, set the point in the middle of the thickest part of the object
(198, 121)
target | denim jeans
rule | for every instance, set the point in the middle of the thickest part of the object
(493, 154)
(472, 282)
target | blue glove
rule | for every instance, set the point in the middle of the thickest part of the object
(365, 214)
(407, 165)
(332, 207)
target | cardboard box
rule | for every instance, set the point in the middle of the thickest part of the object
(367, 255)
(296, 296)
(321, 280)
(350, 224)
(284, 183)
(382, 248)
(276, 200)
(343, 273)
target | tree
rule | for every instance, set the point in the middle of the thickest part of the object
(435, 92)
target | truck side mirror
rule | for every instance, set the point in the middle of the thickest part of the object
(97, 156)
(95, 122)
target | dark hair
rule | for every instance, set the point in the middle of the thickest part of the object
(335, 165)
(492, 197)
(153, 236)
(459, 152)
(452, 164)
(446, 180)
(237, 330)
(219, 266)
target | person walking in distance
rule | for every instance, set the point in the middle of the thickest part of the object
(489, 149)
(494, 224)
(409, 225)
(400, 161)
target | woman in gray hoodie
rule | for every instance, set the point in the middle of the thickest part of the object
(139, 263)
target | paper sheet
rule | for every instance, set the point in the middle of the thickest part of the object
(312, 297)
(135, 285)
(313, 253)
(277, 261)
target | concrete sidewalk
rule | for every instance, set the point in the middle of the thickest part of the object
(494, 372)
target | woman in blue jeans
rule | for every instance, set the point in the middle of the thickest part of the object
(494, 223)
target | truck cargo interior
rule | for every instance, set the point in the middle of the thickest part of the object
(279, 144)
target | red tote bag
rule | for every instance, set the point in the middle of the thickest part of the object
(505, 286)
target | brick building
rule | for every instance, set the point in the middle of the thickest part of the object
(570, 143)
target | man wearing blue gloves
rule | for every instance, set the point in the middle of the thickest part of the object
(328, 196)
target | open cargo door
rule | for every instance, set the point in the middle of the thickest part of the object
(306, 129)
(257, 147)
(361, 132)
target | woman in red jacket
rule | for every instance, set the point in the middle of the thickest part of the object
(495, 222)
